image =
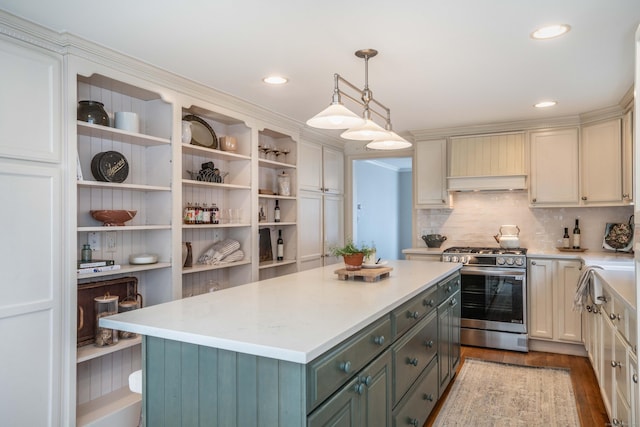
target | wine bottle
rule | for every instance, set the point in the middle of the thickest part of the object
(566, 243)
(576, 236)
(280, 246)
(276, 213)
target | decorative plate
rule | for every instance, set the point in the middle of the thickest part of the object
(201, 133)
(109, 166)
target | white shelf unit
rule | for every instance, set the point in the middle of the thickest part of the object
(234, 193)
(270, 166)
(102, 373)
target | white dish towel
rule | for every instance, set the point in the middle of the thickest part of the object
(582, 293)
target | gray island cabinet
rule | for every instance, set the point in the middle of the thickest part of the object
(302, 349)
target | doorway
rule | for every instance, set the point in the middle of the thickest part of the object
(382, 204)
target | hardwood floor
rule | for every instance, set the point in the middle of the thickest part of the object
(585, 386)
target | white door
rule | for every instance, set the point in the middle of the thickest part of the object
(34, 375)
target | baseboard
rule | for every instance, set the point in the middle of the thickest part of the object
(557, 347)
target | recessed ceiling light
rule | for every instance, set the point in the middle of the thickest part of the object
(275, 80)
(545, 104)
(550, 31)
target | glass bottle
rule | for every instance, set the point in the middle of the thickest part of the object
(85, 253)
(566, 243)
(276, 212)
(280, 256)
(576, 236)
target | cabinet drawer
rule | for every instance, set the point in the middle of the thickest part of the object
(410, 313)
(328, 372)
(448, 287)
(412, 353)
(420, 401)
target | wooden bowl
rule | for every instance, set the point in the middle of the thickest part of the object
(113, 217)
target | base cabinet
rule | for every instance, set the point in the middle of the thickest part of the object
(448, 336)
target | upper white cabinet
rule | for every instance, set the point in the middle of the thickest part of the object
(627, 156)
(553, 160)
(429, 174)
(322, 168)
(601, 163)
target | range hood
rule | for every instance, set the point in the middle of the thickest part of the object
(494, 162)
(487, 183)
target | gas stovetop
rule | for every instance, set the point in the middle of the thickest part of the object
(484, 251)
(486, 257)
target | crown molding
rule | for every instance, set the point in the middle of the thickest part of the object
(613, 112)
(30, 32)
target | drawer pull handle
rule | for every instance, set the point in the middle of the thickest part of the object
(429, 303)
(453, 302)
(413, 315)
(614, 316)
(366, 380)
(448, 288)
(413, 422)
(345, 366)
(429, 344)
(358, 388)
(616, 422)
(379, 340)
(428, 397)
(413, 361)
(615, 364)
(635, 378)
(603, 299)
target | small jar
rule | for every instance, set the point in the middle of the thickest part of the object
(85, 253)
(106, 305)
(93, 112)
(284, 184)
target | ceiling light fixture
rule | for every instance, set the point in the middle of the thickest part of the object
(545, 104)
(337, 116)
(550, 31)
(275, 80)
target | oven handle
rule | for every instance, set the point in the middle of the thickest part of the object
(487, 271)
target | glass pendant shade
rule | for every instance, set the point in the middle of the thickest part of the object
(391, 142)
(335, 116)
(366, 132)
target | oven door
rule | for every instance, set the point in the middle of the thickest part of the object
(493, 299)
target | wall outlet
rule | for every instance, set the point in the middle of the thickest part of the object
(94, 241)
(111, 242)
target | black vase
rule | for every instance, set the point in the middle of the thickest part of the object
(93, 112)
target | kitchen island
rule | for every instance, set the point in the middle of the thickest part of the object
(272, 352)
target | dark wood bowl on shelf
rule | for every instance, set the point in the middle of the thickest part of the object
(113, 217)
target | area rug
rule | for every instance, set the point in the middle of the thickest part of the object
(498, 394)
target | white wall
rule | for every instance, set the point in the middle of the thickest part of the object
(476, 217)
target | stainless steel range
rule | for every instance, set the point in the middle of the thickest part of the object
(493, 296)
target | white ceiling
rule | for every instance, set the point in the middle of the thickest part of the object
(441, 63)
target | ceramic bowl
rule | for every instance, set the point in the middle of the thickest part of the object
(113, 217)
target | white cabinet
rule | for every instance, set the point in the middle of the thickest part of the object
(553, 159)
(322, 168)
(36, 285)
(430, 170)
(627, 156)
(600, 162)
(321, 201)
(552, 286)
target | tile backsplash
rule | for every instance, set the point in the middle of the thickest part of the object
(477, 216)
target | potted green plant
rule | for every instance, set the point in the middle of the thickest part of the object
(352, 254)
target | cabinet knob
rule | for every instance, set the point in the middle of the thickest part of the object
(614, 316)
(429, 302)
(589, 308)
(602, 298)
(428, 397)
(616, 422)
(379, 340)
(534, 263)
(615, 364)
(625, 196)
(413, 361)
(414, 422)
(429, 343)
(635, 378)
(453, 302)
(443, 201)
(358, 388)
(448, 289)
(413, 315)
(534, 200)
(584, 197)
(345, 366)
(366, 380)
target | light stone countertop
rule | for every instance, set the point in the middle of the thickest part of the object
(296, 317)
(622, 282)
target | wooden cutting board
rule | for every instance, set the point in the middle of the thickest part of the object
(366, 274)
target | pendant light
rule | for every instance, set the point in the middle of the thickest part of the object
(337, 116)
